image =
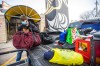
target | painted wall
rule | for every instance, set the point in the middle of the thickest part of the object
(57, 18)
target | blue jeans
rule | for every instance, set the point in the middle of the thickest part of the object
(19, 54)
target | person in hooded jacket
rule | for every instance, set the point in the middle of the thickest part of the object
(25, 26)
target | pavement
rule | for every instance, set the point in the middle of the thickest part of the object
(6, 45)
(10, 57)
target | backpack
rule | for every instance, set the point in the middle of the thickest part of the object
(23, 40)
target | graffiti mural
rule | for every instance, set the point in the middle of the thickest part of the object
(57, 15)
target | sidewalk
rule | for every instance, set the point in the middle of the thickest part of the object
(6, 45)
(8, 58)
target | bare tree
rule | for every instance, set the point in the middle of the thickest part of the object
(93, 13)
(88, 14)
(99, 13)
(85, 15)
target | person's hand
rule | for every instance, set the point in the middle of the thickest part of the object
(25, 30)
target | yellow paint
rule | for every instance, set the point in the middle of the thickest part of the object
(21, 59)
(24, 58)
(8, 61)
(11, 60)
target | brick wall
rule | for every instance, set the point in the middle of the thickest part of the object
(3, 31)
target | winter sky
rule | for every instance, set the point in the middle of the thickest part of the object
(76, 7)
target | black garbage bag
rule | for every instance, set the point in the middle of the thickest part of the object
(46, 39)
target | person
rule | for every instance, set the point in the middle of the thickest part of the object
(25, 30)
(25, 22)
(25, 27)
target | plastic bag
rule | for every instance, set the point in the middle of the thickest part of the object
(66, 57)
(72, 34)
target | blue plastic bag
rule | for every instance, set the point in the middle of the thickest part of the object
(62, 36)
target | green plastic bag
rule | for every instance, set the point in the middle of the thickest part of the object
(71, 35)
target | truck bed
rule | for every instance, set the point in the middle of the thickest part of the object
(36, 54)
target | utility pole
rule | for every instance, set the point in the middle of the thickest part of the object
(96, 8)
